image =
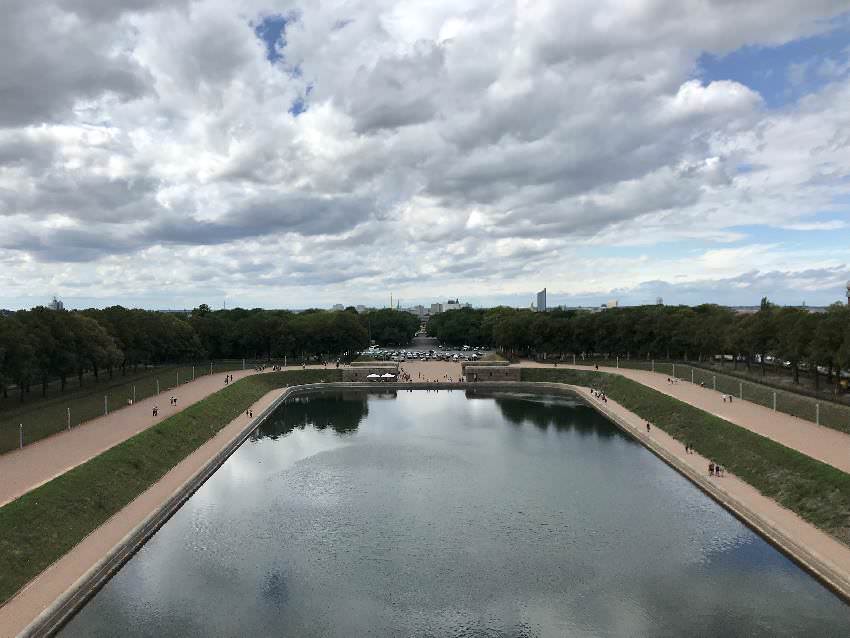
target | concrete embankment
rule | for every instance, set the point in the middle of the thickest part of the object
(56, 594)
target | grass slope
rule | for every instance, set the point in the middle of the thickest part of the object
(816, 491)
(41, 526)
(830, 414)
(43, 416)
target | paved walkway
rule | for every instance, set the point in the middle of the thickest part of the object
(43, 590)
(829, 557)
(819, 442)
(37, 463)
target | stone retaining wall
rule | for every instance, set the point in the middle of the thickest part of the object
(53, 618)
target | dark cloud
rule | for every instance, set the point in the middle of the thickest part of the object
(106, 10)
(49, 61)
(397, 91)
(441, 142)
(299, 214)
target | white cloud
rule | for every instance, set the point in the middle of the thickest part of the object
(478, 146)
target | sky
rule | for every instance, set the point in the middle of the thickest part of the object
(168, 153)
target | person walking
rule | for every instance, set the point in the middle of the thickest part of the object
(647, 427)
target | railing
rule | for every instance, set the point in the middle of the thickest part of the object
(826, 413)
(26, 423)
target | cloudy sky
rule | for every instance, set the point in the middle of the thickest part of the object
(166, 153)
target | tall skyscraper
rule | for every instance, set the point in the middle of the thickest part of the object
(541, 301)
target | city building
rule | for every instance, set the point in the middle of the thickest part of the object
(451, 304)
(419, 311)
(338, 306)
(56, 304)
(541, 301)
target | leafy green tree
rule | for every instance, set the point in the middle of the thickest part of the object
(794, 331)
(17, 363)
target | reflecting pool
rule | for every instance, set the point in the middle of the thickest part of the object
(454, 514)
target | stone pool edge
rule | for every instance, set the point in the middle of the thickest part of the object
(64, 607)
(833, 579)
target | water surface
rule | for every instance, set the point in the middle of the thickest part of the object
(447, 514)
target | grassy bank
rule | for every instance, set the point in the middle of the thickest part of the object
(829, 413)
(42, 525)
(43, 416)
(817, 492)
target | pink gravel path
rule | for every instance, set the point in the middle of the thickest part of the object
(829, 556)
(39, 462)
(818, 442)
(40, 593)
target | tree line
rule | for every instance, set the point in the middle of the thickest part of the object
(795, 337)
(42, 345)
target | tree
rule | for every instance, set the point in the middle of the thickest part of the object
(827, 339)
(794, 328)
(17, 364)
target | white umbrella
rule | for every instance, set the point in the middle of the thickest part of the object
(388, 376)
(373, 376)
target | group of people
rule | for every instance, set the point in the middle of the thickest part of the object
(228, 378)
(249, 413)
(727, 397)
(172, 401)
(672, 381)
(714, 469)
(599, 395)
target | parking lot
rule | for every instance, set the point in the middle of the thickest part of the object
(435, 353)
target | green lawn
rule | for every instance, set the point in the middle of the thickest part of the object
(43, 416)
(42, 525)
(816, 491)
(832, 415)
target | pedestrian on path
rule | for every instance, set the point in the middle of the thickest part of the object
(647, 427)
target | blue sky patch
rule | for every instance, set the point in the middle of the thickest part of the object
(300, 105)
(783, 74)
(272, 31)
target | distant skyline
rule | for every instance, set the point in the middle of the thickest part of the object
(167, 153)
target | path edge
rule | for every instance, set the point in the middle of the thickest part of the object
(52, 619)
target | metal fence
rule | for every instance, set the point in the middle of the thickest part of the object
(826, 413)
(30, 422)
